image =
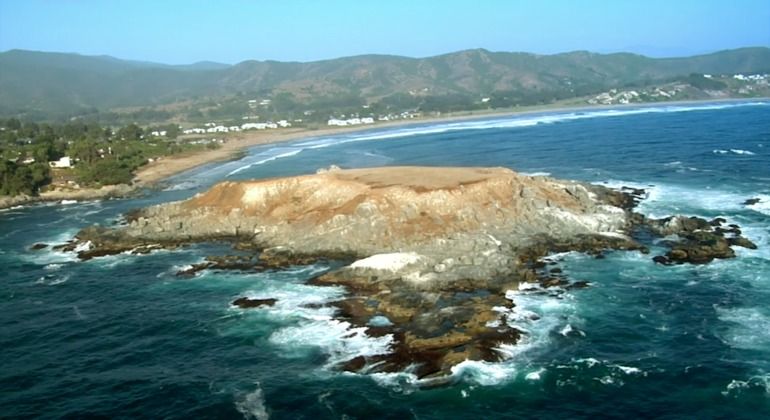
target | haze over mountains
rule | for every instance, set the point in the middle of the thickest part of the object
(60, 85)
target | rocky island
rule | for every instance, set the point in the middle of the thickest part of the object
(428, 253)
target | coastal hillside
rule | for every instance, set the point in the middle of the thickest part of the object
(46, 85)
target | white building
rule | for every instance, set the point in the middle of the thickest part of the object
(64, 162)
(194, 131)
(337, 122)
(253, 126)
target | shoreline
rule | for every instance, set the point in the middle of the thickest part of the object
(152, 173)
(238, 143)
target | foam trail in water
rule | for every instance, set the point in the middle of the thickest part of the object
(252, 404)
(749, 327)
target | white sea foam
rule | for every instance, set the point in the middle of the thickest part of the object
(535, 173)
(484, 373)
(184, 185)
(628, 370)
(252, 404)
(307, 325)
(668, 199)
(52, 280)
(50, 256)
(763, 206)
(267, 156)
(733, 151)
(737, 386)
(536, 375)
(749, 328)
(338, 339)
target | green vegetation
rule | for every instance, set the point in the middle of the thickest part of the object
(701, 82)
(22, 179)
(99, 155)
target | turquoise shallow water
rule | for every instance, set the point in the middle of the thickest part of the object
(123, 337)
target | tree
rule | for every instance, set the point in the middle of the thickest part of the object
(13, 124)
(86, 151)
(104, 172)
(130, 132)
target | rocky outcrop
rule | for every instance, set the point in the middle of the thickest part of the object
(696, 240)
(245, 302)
(429, 252)
(468, 219)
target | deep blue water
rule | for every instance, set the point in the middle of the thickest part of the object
(123, 337)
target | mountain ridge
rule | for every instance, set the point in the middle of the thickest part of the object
(67, 83)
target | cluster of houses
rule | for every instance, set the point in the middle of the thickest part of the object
(214, 128)
(745, 78)
(350, 121)
(356, 120)
(615, 96)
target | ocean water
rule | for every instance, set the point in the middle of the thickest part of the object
(122, 336)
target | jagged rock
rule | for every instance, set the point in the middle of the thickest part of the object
(742, 242)
(245, 302)
(751, 201)
(38, 246)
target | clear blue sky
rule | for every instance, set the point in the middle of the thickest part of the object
(176, 32)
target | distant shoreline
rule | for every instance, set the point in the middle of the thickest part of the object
(172, 165)
(168, 166)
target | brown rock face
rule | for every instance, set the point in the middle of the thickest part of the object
(475, 213)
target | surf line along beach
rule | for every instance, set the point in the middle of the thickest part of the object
(238, 143)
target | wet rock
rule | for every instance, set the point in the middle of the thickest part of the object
(742, 242)
(699, 241)
(553, 282)
(38, 246)
(354, 365)
(193, 270)
(751, 201)
(246, 303)
(700, 248)
(717, 221)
